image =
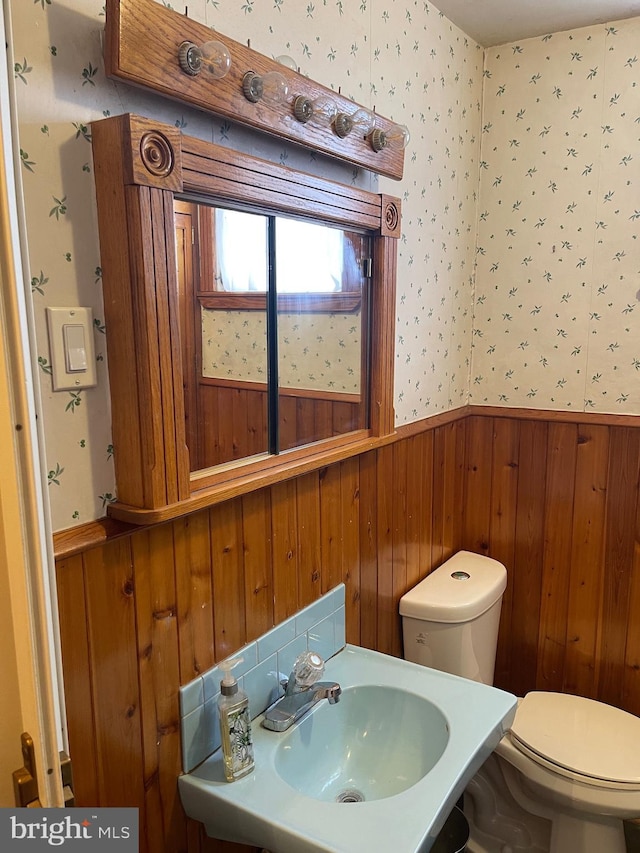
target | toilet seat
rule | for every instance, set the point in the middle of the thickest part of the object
(579, 739)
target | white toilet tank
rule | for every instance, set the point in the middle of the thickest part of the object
(450, 619)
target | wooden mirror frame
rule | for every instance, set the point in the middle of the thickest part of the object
(139, 166)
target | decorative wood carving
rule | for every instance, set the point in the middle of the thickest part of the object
(390, 220)
(141, 47)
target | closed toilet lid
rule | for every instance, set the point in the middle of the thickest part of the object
(584, 736)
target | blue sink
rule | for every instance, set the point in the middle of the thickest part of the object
(375, 743)
(379, 770)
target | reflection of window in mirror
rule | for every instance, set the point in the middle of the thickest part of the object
(240, 236)
(279, 330)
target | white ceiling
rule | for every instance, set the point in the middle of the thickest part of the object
(491, 22)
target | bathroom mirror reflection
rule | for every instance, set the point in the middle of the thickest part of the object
(274, 315)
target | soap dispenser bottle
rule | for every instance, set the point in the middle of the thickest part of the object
(235, 725)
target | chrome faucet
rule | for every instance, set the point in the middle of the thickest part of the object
(302, 692)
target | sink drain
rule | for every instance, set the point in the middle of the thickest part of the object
(351, 795)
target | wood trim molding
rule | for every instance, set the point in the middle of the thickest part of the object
(76, 540)
(553, 416)
(300, 303)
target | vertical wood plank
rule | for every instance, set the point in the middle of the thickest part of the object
(284, 549)
(240, 422)
(323, 420)
(387, 611)
(288, 427)
(114, 675)
(209, 450)
(556, 561)
(309, 542)
(478, 481)
(228, 578)
(503, 507)
(527, 579)
(159, 676)
(631, 678)
(425, 466)
(350, 512)
(76, 663)
(399, 538)
(587, 551)
(448, 490)
(223, 425)
(621, 513)
(459, 485)
(194, 594)
(417, 523)
(368, 550)
(258, 566)
(330, 527)
(257, 422)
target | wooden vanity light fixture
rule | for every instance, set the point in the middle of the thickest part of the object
(154, 47)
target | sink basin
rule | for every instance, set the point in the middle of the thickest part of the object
(375, 743)
(379, 770)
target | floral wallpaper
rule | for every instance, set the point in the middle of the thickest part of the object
(316, 351)
(404, 58)
(557, 313)
(553, 321)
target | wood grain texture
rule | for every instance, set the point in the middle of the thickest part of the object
(142, 41)
(144, 612)
(559, 505)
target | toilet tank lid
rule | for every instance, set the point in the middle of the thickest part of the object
(582, 735)
(461, 589)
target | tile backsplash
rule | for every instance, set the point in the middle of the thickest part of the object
(320, 627)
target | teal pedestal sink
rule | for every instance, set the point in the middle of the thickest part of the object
(379, 770)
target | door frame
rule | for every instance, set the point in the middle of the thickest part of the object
(27, 543)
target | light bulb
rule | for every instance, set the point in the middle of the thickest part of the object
(287, 61)
(271, 87)
(320, 109)
(396, 138)
(213, 57)
(216, 59)
(363, 120)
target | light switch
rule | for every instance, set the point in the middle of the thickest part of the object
(73, 361)
(75, 348)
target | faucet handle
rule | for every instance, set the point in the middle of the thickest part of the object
(307, 669)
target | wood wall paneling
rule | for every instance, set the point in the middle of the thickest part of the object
(556, 501)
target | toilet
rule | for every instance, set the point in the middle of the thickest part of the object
(567, 774)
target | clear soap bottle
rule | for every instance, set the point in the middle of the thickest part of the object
(235, 725)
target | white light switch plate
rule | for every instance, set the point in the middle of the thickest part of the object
(73, 359)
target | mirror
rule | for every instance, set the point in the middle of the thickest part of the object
(292, 359)
(275, 313)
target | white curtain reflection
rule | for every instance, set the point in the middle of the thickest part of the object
(241, 251)
(310, 257)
